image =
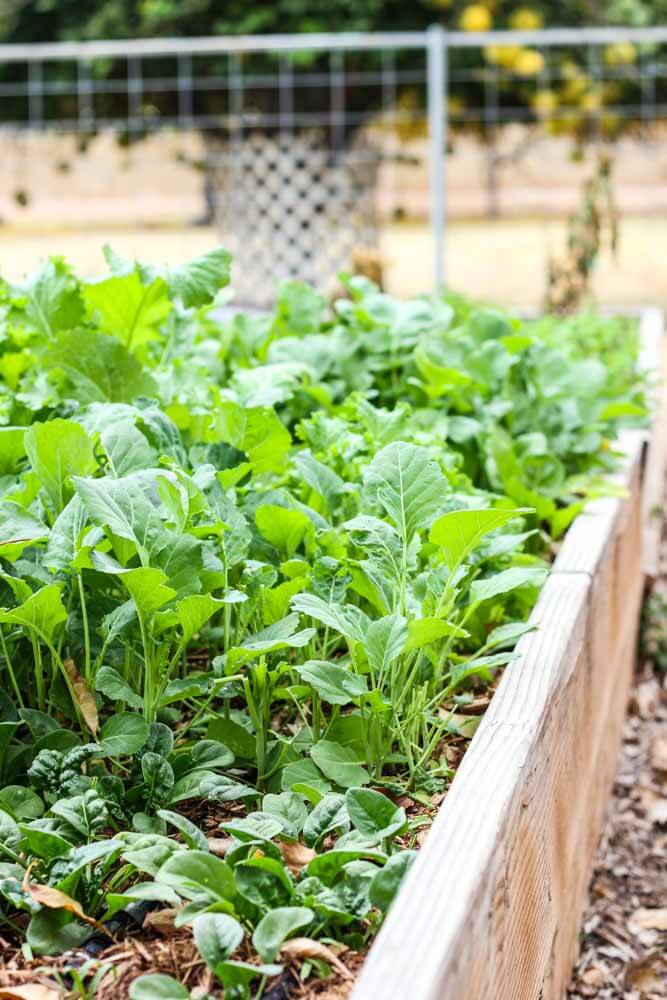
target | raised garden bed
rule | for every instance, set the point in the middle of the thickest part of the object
(492, 906)
(259, 580)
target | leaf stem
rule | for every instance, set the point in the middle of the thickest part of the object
(10, 670)
(86, 632)
(39, 672)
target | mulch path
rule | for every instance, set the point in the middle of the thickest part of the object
(624, 929)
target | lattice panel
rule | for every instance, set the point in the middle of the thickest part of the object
(289, 207)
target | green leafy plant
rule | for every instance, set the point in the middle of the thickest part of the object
(266, 564)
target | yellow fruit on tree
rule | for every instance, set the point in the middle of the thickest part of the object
(410, 122)
(591, 102)
(526, 19)
(476, 17)
(575, 87)
(503, 55)
(571, 70)
(545, 102)
(529, 63)
(620, 54)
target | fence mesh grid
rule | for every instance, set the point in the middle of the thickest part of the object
(294, 137)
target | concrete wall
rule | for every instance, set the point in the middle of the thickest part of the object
(154, 181)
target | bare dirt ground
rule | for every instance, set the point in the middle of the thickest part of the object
(502, 260)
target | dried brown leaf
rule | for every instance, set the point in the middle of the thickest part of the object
(594, 976)
(84, 698)
(54, 899)
(649, 919)
(32, 991)
(296, 856)
(161, 921)
(219, 845)
(646, 974)
(307, 948)
(647, 696)
(659, 753)
(647, 797)
(658, 813)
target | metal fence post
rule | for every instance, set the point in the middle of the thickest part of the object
(436, 64)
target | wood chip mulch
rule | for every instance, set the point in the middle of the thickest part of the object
(160, 949)
(624, 930)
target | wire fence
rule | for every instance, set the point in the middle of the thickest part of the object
(296, 129)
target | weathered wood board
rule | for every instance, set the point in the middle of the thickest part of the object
(654, 360)
(492, 905)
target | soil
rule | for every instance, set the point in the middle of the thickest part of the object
(163, 949)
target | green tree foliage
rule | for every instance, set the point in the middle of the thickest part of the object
(65, 20)
(565, 97)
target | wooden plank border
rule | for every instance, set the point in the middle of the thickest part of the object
(491, 908)
(653, 359)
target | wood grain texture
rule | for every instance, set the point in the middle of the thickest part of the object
(492, 905)
(475, 917)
